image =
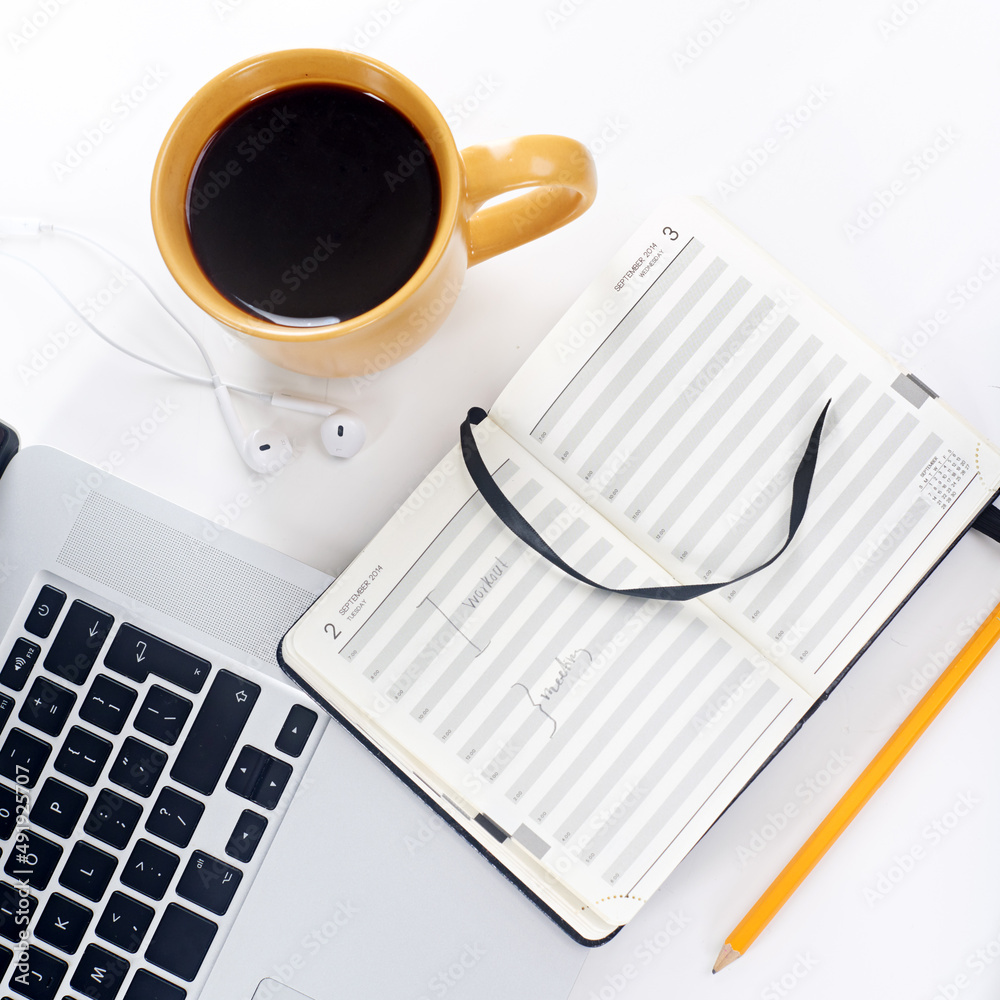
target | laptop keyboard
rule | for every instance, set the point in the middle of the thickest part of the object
(140, 785)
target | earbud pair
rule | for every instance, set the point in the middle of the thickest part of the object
(266, 450)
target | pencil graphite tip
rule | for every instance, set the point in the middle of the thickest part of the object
(727, 956)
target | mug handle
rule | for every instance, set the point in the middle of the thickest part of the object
(560, 170)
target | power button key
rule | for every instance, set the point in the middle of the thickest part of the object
(45, 611)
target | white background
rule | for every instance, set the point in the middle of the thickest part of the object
(711, 98)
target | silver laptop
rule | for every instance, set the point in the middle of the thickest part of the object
(177, 819)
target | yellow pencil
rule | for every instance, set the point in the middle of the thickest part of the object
(870, 779)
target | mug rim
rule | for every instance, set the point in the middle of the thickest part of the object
(214, 104)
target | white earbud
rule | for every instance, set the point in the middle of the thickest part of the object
(342, 432)
(262, 450)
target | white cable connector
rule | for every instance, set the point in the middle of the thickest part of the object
(23, 227)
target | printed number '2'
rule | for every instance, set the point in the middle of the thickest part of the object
(330, 627)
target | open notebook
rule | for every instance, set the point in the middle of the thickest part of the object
(586, 740)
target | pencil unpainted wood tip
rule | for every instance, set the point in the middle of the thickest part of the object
(727, 956)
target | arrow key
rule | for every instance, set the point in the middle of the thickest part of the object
(246, 835)
(259, 777)
(272, 784)
(296, 731)
(250, 765)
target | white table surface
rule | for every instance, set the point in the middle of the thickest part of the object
(792, 118)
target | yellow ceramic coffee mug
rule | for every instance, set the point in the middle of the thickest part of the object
(558, 171)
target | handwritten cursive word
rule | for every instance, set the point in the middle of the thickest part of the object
(486, 583)
(547, 693)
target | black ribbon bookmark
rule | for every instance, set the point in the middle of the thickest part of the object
(512, 518)
(988, 522)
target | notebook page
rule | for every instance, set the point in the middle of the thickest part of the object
(603, 734)
(677, 397)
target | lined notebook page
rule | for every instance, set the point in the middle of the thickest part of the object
(602, 733)
(591, 739)
(682, 417)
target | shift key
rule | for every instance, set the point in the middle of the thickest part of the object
(215, 732)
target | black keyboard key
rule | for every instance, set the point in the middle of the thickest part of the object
(107, 704)
(181, 942)
(137, 767)
(246, 835)
(272, 784)
(15, 915)
(99, 974)
(247, 771)
(162, 715)
(40, 977)
(6, 957)
(6, 707)
(259, 777)
(87, 870)
(44, 612)
(83, 756)
(214, 732)
(22, 758)
(146, 986)
(209, 882)
(57, 807)
(78, 642)
(33, 859)
(296, 731)
(149, 869)
(62, 923)
(124, 922)
(113, 818)
(10, 804)
(138, 654)
(47, 706)
(18, 664)
(174, 816)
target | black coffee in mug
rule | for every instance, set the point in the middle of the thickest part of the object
(313, 204)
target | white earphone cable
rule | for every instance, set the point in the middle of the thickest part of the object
(212, 380)
(342, 432)
(145, 284)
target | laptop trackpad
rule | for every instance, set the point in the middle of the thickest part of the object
(366, 893)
